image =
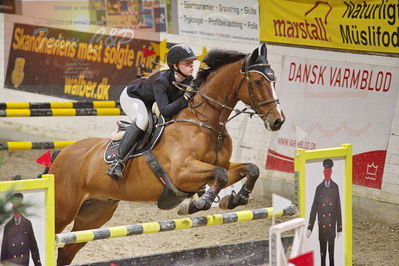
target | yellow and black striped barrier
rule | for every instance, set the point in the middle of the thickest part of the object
(24, 145)
(61, 112)
(169, 225)
(59, 105)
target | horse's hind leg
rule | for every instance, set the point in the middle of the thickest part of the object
(93, 214)
(236, 172)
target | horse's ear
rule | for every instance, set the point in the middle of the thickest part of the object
(263, 50)
(254, 56)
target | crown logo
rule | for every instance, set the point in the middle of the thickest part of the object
(371, 172)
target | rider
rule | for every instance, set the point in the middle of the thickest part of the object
(139, 95)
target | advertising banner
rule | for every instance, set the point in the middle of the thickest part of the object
(7, 6)
(76, 65)
(355, 25)
(160, 19)
(232, 20)
(329, 103)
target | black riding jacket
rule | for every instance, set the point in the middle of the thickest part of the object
(159, 88)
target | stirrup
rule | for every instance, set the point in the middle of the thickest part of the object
(113, 172)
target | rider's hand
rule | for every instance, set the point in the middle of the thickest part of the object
(188, 96)
(308, 233)
(189, 93)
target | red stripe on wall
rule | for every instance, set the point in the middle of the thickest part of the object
(368, 167)
(279, 162)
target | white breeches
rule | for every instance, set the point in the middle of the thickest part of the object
(135, 109)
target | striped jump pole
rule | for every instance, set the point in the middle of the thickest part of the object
(169, 225)
(59, 105)
(24, 145)
(61, 112)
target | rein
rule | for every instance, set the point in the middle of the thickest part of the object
(183, 87)
(224, 106)
(221, 134)
(211, 128)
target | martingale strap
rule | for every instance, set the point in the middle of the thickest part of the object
(171, 196)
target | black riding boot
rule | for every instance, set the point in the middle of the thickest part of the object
(129, 139)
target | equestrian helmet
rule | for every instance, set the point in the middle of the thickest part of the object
(179, 52)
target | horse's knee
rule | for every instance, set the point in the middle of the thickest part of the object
(221, 177)
(252, 170)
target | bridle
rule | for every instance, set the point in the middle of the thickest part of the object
(263, 69)
(266, 71)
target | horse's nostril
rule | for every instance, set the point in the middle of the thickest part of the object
(278, 123)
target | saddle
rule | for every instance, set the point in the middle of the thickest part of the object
(146, 142)
(170, 196)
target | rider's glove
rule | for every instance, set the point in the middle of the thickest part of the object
(189, 93)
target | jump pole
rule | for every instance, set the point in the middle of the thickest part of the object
(170, 225)
(61, 112)
(55, 105)
(25, 145)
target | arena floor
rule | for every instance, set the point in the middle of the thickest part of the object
(373, 243)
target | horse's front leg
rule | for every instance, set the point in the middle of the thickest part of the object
(200, 173)
(236, 172)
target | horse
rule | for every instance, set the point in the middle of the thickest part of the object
(194, 149)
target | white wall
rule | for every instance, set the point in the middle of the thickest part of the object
(390, 187)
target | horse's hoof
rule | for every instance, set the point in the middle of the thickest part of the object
(183, 207)
(224, 202)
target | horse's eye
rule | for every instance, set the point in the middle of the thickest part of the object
(258, 83)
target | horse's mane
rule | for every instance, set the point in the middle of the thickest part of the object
(215, 59)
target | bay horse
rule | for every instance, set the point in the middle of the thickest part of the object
(194, 150)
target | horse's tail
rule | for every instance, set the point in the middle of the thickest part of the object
(54, 154)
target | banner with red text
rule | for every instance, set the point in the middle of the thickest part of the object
(371, 25)
(330, 103)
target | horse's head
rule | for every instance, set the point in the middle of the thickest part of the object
(259, 91)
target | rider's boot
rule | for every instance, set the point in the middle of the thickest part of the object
(129, 139)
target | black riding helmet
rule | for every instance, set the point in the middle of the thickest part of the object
(177, 53)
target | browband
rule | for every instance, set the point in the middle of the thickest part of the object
(263, 69)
